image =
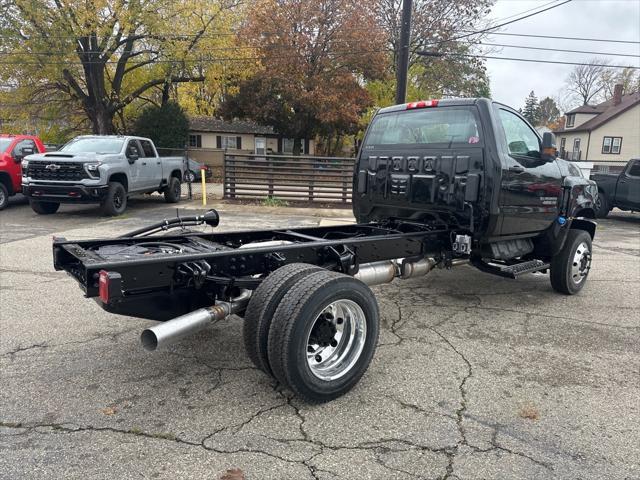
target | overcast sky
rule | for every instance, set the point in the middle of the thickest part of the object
(511, 82)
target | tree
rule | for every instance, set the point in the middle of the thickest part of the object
(585, 81)
(628, 77)
(102, 56)
(530, 110)
(314, 59)
(548, 112)
(442, 27)
(167, 125)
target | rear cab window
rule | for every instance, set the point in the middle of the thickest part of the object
(435, 127)
(634, 169)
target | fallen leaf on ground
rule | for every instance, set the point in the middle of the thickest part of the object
(529, 412)
(233, 474)
(109, 411)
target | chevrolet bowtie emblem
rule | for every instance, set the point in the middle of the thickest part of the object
(52, 167)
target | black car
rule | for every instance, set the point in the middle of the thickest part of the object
(620, 190)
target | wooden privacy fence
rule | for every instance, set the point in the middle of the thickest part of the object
(310, 179)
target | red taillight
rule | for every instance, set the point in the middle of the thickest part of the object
(103, 286)
(422, 104)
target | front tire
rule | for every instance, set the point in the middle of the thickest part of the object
(44, 208)
(570, 267)
(323, 335)
(601, 205)
(115, 202)
(173, 191)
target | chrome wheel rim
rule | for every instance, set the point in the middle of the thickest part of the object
(2, 197)
(336, 340)
(581, 263)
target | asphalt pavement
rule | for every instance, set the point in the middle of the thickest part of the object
(475, 377)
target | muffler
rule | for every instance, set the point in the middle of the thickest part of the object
(378, 273)
(173, 330)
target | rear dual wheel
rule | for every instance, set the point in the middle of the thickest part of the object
(322, 334)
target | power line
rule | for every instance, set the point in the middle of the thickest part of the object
(502, 24)
(582, 39)
(514, 59)
(559, 50)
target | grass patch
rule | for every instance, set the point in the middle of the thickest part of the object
(274, 202)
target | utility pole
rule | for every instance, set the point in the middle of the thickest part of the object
(403, 52)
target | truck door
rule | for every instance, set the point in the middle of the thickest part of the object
(628, 188)
(137, 167)
(152, 164)
(530, 188)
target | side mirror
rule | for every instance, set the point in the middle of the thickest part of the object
(23, 152)
(549, 151)
(133, 155)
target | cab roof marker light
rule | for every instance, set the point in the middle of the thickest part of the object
(422, 104)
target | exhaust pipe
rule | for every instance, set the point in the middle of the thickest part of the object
(173, 330)
(378, 273)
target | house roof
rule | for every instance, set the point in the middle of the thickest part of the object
(607, 111)
(211, 124)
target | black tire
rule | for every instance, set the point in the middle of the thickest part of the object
(262, 306)
(4, 196)
(190, 176)
(173, 191)
(44, 208)
(570, 267)
(115, 202)
(303, 309)
(601, 205)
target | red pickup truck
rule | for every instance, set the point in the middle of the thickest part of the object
(13, 148)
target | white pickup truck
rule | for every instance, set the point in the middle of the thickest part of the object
(105, 169)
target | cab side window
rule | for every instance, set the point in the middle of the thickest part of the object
(147, 148)
(132, 148)
(522, 141)
(634, 169)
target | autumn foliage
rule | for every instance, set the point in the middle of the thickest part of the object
(315, 56)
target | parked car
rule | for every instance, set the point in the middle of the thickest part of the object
(13, 148)
(100, 169)
(621, 190)
(193, 173)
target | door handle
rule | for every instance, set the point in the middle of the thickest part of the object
(157, 163)
(144, 163)
(516, 168)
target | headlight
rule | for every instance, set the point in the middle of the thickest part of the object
(25, 164)
(92, 168)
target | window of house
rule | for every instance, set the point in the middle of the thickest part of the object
(563, 143)
(287, 146)
(571, 119)
(611, 145)
(230, 142)
(195, 141)
(576, 144)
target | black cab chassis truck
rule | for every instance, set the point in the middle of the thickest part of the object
(436, 184)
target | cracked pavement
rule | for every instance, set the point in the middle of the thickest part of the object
(475, 377)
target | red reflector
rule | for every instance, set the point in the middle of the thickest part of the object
(422, 104)
(103, 286)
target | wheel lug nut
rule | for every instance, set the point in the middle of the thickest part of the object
(309, 349)
(318, 358)
(328, 316)
(334, 343)
(339, 321)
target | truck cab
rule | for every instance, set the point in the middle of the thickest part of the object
(13, 148)
(476, 165)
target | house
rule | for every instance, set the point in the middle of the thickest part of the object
(607, 134)
(210, 137)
